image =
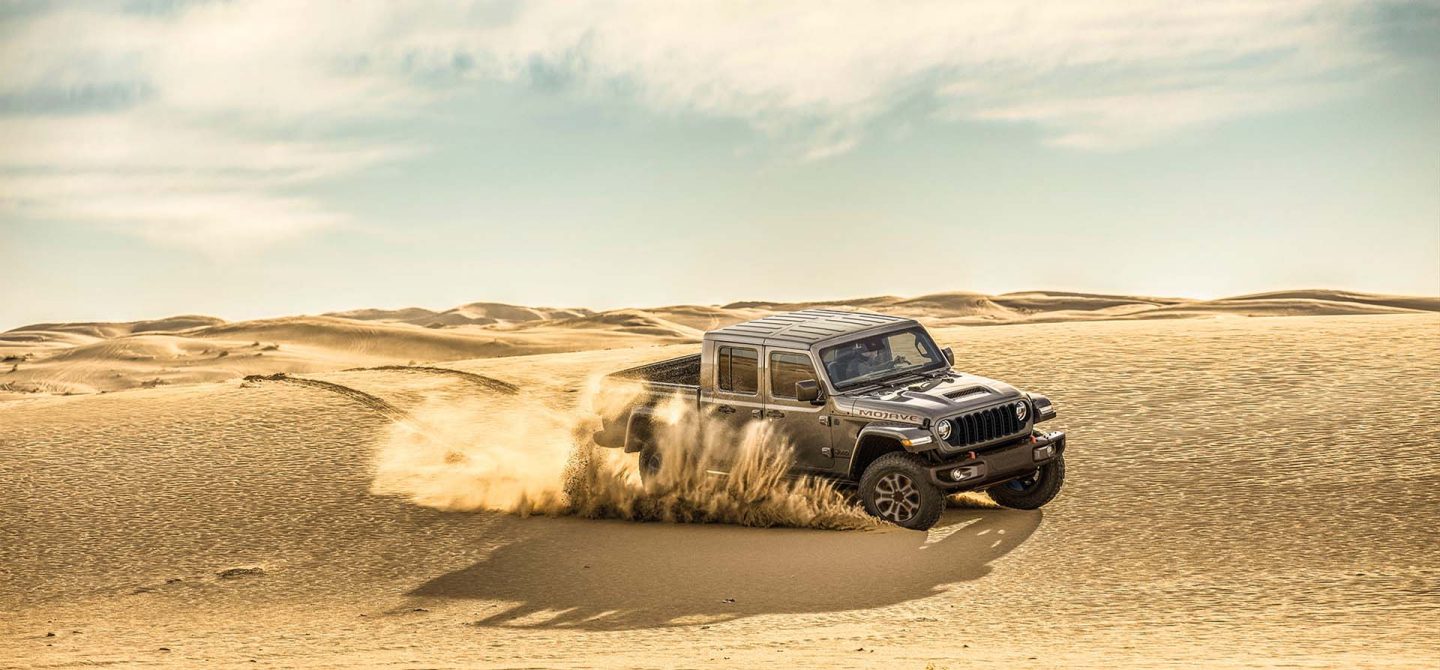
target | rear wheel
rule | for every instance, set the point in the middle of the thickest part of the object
(649, 465)
(897, 488)
(1033, 490)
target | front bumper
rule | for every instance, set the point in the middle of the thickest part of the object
(999, 465)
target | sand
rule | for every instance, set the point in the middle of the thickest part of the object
(80, 358)
(1243, 492)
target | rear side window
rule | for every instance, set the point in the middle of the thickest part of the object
(738, 370)
(785, 370)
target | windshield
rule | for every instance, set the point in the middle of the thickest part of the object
(878, 357)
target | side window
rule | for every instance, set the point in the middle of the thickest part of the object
(786, 369)
(737, 370)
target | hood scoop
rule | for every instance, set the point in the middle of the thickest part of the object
(967, 393)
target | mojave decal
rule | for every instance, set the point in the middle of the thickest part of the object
(886, 415)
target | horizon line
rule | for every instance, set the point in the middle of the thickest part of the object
(754, 302)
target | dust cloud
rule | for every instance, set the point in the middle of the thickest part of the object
(510, 455)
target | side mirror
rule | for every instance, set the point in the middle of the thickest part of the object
(949, 355)
(807, 391)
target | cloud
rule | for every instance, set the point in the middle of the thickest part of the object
(197, 122)
(177, 184)
(1088, 74)
(225, 112)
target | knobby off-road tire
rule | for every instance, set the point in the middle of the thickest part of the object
(1031, 492)
(649, 465)
(897, 488)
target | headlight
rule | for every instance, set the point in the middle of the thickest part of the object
(943, 429)
(1020, 411)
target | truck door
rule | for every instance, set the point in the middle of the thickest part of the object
(804, 425)
(735, 392)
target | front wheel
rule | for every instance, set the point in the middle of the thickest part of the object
(1033, 490)
(897, 488)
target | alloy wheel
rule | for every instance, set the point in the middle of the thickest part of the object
(896, 498)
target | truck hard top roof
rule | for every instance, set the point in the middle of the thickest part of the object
(804, 328)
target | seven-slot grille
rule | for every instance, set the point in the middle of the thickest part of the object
(987, 424)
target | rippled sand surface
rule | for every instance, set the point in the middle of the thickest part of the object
(1242, 492)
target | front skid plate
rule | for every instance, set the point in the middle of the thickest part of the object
(998, 465)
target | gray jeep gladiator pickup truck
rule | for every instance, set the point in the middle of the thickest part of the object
(867, 400)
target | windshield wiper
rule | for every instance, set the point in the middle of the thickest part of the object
(886, 377)
(906, 378)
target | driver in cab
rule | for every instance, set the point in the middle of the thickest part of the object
(864, 357)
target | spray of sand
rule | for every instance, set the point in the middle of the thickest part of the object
(513, 455)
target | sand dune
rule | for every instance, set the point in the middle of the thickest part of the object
(103, 330)
(483, 313)
(705, 317)
(1419, 303)
(1258, 306)
(1035, 302)
(363, 340)
(475, 313)
(1009, 306)
(60, 361)
(60, 358)
(1243, 493)
(962, 308)
(632, 321)
(415, 315)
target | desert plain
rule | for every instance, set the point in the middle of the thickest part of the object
(1253, 482)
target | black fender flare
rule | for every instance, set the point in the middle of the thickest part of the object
(638, 415)
(913, 439)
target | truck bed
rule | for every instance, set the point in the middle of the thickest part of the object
(682, 371)
(662, 379)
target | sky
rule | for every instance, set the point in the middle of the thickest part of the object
(260, 158)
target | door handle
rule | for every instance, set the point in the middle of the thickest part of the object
(775, 414)
(725, 409)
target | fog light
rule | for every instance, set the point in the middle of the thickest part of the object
(964, 473)
(1042, 453)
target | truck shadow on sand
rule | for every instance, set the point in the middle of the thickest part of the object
(605, 575)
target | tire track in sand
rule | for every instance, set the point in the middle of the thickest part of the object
(373, 402)
(489, 383)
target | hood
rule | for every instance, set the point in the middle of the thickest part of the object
(935, 398)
